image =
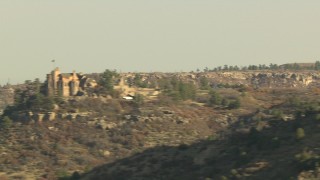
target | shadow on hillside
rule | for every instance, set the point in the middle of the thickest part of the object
(266, 154)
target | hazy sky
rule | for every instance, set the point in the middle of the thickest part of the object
(153, 35)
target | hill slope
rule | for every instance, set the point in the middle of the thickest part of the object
(272, 153)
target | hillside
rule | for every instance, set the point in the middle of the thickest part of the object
(271, 153)
(219, 129)
(57, 148)
(257, 146)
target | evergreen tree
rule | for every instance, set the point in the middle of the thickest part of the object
(225, 67)
(215, 98)
(317, 65)
(187, 90)
(204, 83)
(138, 81)
(106, 79)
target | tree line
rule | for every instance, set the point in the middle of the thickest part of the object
(271, 66)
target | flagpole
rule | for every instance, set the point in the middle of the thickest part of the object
(54, 63)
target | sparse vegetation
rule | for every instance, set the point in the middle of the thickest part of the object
(205, 128)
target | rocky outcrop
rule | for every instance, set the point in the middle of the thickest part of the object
(252, 78)
(282, 79)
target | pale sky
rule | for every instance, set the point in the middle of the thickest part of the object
(153, 35)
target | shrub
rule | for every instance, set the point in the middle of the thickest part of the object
(300, 133)
(139, 99)
(223, 178)
(235, 174)
(294, 101)
(212, 137)
(307, 160)
(277, 113)
(303, 156)
(6, 122)
(63, 175)
(215, 98)
(225, 102)
(235, 104)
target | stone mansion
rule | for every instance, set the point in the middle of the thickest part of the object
(67, 84)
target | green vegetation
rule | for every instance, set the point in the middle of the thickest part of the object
(63, 175)
(190, 128)
(317, 65)
(204, 83)
(107, 80)
(213, 137)
(277, 113)
(177, 89)
(138, 99)
(5, 122)
(234, 104)
(294, 66)
(40, 103)
(308, 160)
(300, 133)
(137, 81)
(32, 97)
(217, 100)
